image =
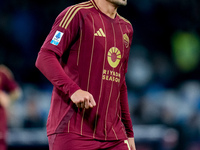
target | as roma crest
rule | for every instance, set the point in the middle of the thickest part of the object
(126, 40)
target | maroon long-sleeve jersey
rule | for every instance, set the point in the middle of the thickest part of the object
(88, 50)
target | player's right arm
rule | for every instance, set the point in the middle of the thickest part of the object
(64, 31)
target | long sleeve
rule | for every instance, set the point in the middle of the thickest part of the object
(125, 114)
(56, 44)
(49, 65)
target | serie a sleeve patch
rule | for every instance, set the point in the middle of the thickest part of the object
(57, 38)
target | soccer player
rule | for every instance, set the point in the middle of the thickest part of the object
(85, 57)
(9, 91)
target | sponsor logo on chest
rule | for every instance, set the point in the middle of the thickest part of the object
(100, 33)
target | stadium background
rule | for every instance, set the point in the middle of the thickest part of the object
(163, 76)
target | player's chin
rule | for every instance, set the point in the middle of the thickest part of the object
(123, 3)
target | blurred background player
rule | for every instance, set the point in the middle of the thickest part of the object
(9, 91)
(85, 57)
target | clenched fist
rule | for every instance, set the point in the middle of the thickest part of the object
(83, 99)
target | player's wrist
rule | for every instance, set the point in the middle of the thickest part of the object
(73, 89)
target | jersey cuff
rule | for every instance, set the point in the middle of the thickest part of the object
(130, 135)
(73, 90)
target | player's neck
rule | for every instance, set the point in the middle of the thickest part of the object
(107, 8)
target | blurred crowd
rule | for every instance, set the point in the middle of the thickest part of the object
(155, 97)
(163, 76)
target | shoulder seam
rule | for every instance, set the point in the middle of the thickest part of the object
(69, 15)
(124, 19)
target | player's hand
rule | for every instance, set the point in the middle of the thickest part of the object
(83, 99)
(131, 142)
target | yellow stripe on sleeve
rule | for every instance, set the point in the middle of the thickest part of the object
(65, 16)
(71, 9)
(75, 14)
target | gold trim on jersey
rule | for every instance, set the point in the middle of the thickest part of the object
(79, 48)
(72, 12)
(89, 73)
(115, 133)
(106, 117)
(95, 127)
(91, 55)
(114, 34)
(75, 14)
(123, 46)
(124, 19)
(123, 129)
(113, 49)
(118, 97)
(94, 4)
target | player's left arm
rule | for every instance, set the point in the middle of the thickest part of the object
(126, 119)
(125, 115)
